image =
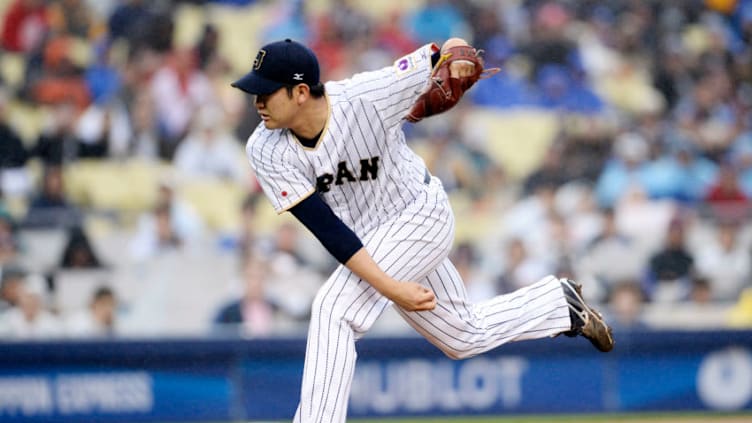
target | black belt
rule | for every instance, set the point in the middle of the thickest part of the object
(427, 177)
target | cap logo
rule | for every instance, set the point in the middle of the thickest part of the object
(259, 58)
(297, 76)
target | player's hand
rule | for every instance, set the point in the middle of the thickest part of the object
(459, 68)
(411, 296)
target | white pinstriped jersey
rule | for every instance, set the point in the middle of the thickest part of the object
(365, 172)
(361, 164)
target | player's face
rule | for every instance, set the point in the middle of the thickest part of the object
(276, 109)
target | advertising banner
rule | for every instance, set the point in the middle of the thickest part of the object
(233, 379)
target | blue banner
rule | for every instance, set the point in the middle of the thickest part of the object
(113, 395)
(232, 379)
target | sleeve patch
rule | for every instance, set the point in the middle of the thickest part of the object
(404, 64)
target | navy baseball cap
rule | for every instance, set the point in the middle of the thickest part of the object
(278, 64)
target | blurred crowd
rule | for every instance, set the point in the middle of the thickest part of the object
(614, 147)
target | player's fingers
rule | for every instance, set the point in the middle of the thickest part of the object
(422, 298)
(429, 301)
(428, 305)
(426, 294)
(462, 68)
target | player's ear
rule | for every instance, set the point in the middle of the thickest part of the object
(302, 92)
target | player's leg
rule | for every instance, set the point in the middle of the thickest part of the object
(345, 308)
(330, 352)
(462, 329)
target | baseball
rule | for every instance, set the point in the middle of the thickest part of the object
(453, 42)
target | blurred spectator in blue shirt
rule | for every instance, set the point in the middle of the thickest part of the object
(582, 96)
(436, 20)
(743, 22)
(102, 78)
(502, 90)
(681, 174)
(106, 123)
(287, 21)
(628, 167)
(559, 90)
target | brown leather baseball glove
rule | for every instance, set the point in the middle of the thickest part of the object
(444, 91)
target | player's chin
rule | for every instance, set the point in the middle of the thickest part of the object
(270, 124)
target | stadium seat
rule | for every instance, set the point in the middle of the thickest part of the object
(74, 288)
(41, 248)
(515, 140)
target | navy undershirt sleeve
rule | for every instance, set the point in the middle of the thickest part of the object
(334, 235)
(435, 58)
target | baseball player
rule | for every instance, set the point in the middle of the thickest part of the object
(334, 155)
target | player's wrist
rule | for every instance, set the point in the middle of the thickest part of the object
(363, 265)
(387, 286)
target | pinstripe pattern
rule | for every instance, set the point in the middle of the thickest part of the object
(365, 119)
(414, 246)
(533, 312)
(406, 225)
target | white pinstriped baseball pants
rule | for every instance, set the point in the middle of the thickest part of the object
(414, 246)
